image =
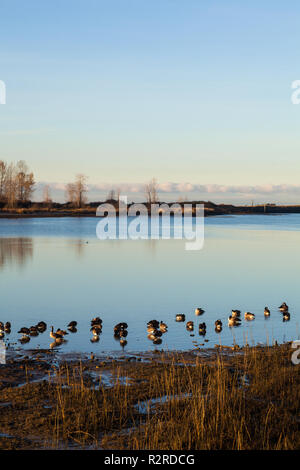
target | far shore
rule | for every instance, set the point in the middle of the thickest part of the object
(89, 210)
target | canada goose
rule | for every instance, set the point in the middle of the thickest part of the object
(72, 324)
(61, 332)
(123, 333)
(2, 334)
(33, 331)
(286, 316)
(235, 313)
(56, 335)
(163, 327)
(157, 341)
(123, 342)
(41, 326)
(218, 329)
(180, 317)
(199, 311)
(96, 330)
(24, 330)
(7, 327)
(121, 326)
(190, 325)
(96, 321)
(283, 307)
(151, 336)
(151, 329)
(249, 316)
(218, 325)
(153, 324)
(233, 321)
(202, 329)
(72, 329)
(155, 334)
(24, 339)
(267, 312)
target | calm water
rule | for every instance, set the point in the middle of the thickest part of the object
(56, 270)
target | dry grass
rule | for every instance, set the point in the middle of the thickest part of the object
(248, 400)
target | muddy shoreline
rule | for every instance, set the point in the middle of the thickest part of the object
(52, 400)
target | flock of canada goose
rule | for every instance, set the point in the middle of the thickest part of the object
(155, 329)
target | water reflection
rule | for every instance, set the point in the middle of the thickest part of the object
(15, 251)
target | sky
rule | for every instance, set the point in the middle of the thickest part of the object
(196, 94)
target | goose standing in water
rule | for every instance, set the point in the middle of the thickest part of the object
(286, 316)
(202, 329)
(218, 326)
(283, 307)
(163, 327)
(25, 339)
(190, 326)
(199, 311)
(33, 331)
(249, 316)
(236, 313)
(72, 326)
(61, 332)
(180, 317)
(96, 330)
(41, 326)
(153, 324)
(267, 312)
(56, 336)
(24, 330)
(234, 321)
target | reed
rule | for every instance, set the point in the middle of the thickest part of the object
(240, 400)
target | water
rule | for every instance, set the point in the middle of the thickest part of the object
(56, 270)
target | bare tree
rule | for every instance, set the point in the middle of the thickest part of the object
(46, 195)
(16, 183)
(11, 186)
(3, 170)
(151, 191)
(76, 192)
(25, 182)
(111, 195)
(70, 193)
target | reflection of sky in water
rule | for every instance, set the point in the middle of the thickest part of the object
(65, 278)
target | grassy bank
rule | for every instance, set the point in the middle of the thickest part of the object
(248, 399)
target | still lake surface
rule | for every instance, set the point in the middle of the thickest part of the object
(56, 270)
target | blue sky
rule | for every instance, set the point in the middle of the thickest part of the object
(194, 92)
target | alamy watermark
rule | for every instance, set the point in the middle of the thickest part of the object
(2, 352)
(152, 222)
(2, 92)
(296, 354)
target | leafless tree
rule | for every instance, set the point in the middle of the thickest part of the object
(47, 195)
(151, 191)
(76, 192)
(25, 182)
(111, 195)
(3, 170)
(11, 186)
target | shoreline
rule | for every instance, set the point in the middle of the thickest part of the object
(143, 399)
(210, 210)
